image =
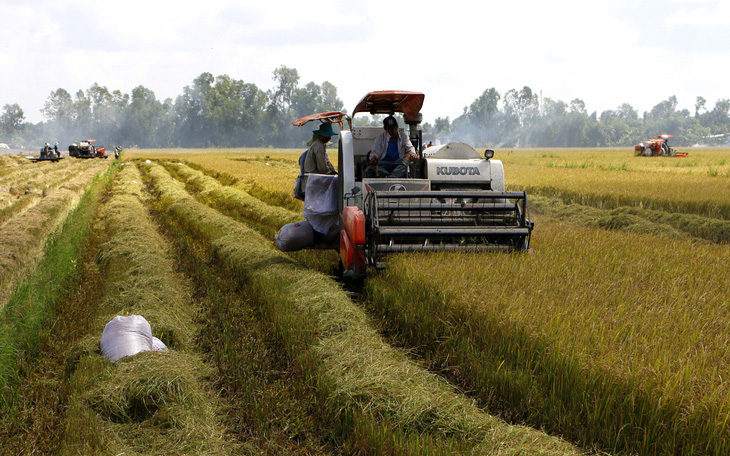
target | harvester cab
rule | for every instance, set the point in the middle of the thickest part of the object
(451, 199)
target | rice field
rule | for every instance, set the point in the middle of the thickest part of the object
(610, 178)
(611, 337)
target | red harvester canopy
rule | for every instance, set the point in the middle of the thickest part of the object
(391, 101)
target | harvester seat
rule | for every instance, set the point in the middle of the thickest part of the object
(364, 163)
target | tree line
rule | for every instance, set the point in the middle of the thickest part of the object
(225, 112)
(525, 119)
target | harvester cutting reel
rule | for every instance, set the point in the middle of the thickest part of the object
(459, 220)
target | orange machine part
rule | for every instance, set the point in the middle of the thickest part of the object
(354, 221)
(347, 250)
(353, 259)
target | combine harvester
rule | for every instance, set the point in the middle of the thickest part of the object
(452, 199)
(84, 149)
(658, 147)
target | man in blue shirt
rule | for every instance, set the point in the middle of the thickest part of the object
(392, 151)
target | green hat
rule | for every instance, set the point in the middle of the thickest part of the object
(325, 129)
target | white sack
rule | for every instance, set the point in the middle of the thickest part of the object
(126, 336)
(158, 345)
(320, 202)
(294, 236)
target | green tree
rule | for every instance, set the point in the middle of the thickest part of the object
(664, 110)
(478, 123)
(235, 110)
(82, 107)
(11, 122)
(720, 117)
(310, 99)
(521, 110)
(287, 82)
(441, 127)
(545, 131)
(107, 113)
(627, 112)
(314, 98)
(700, 106)
(279, 113)
(578, 106)
(148, 121)
(715, 122)
(59, 108)
(330, 100)
(192, 113)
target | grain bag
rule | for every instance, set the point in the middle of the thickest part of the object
(294, 236)
(126, 336)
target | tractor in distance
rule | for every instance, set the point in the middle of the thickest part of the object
(658, 147)
(85, 149)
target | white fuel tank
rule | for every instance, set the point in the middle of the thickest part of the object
(460, 164)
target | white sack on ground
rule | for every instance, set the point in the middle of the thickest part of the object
(294, 236)
(158, 345)
(126, 336)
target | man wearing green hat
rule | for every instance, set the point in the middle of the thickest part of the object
(317, 160)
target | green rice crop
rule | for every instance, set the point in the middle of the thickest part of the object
(234, 201)
(636, 219)
(267, 174)
(612, 178)
(601, 336)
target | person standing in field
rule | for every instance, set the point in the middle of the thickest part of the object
(317, 161)
(316, 186)
(392, 150)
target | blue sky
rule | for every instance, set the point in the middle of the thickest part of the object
(605, 53)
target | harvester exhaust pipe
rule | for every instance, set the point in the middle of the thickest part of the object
(413, 132)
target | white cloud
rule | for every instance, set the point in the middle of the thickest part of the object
(606, 53)
(701, 13)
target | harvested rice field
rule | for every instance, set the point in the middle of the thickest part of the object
(611, 337)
